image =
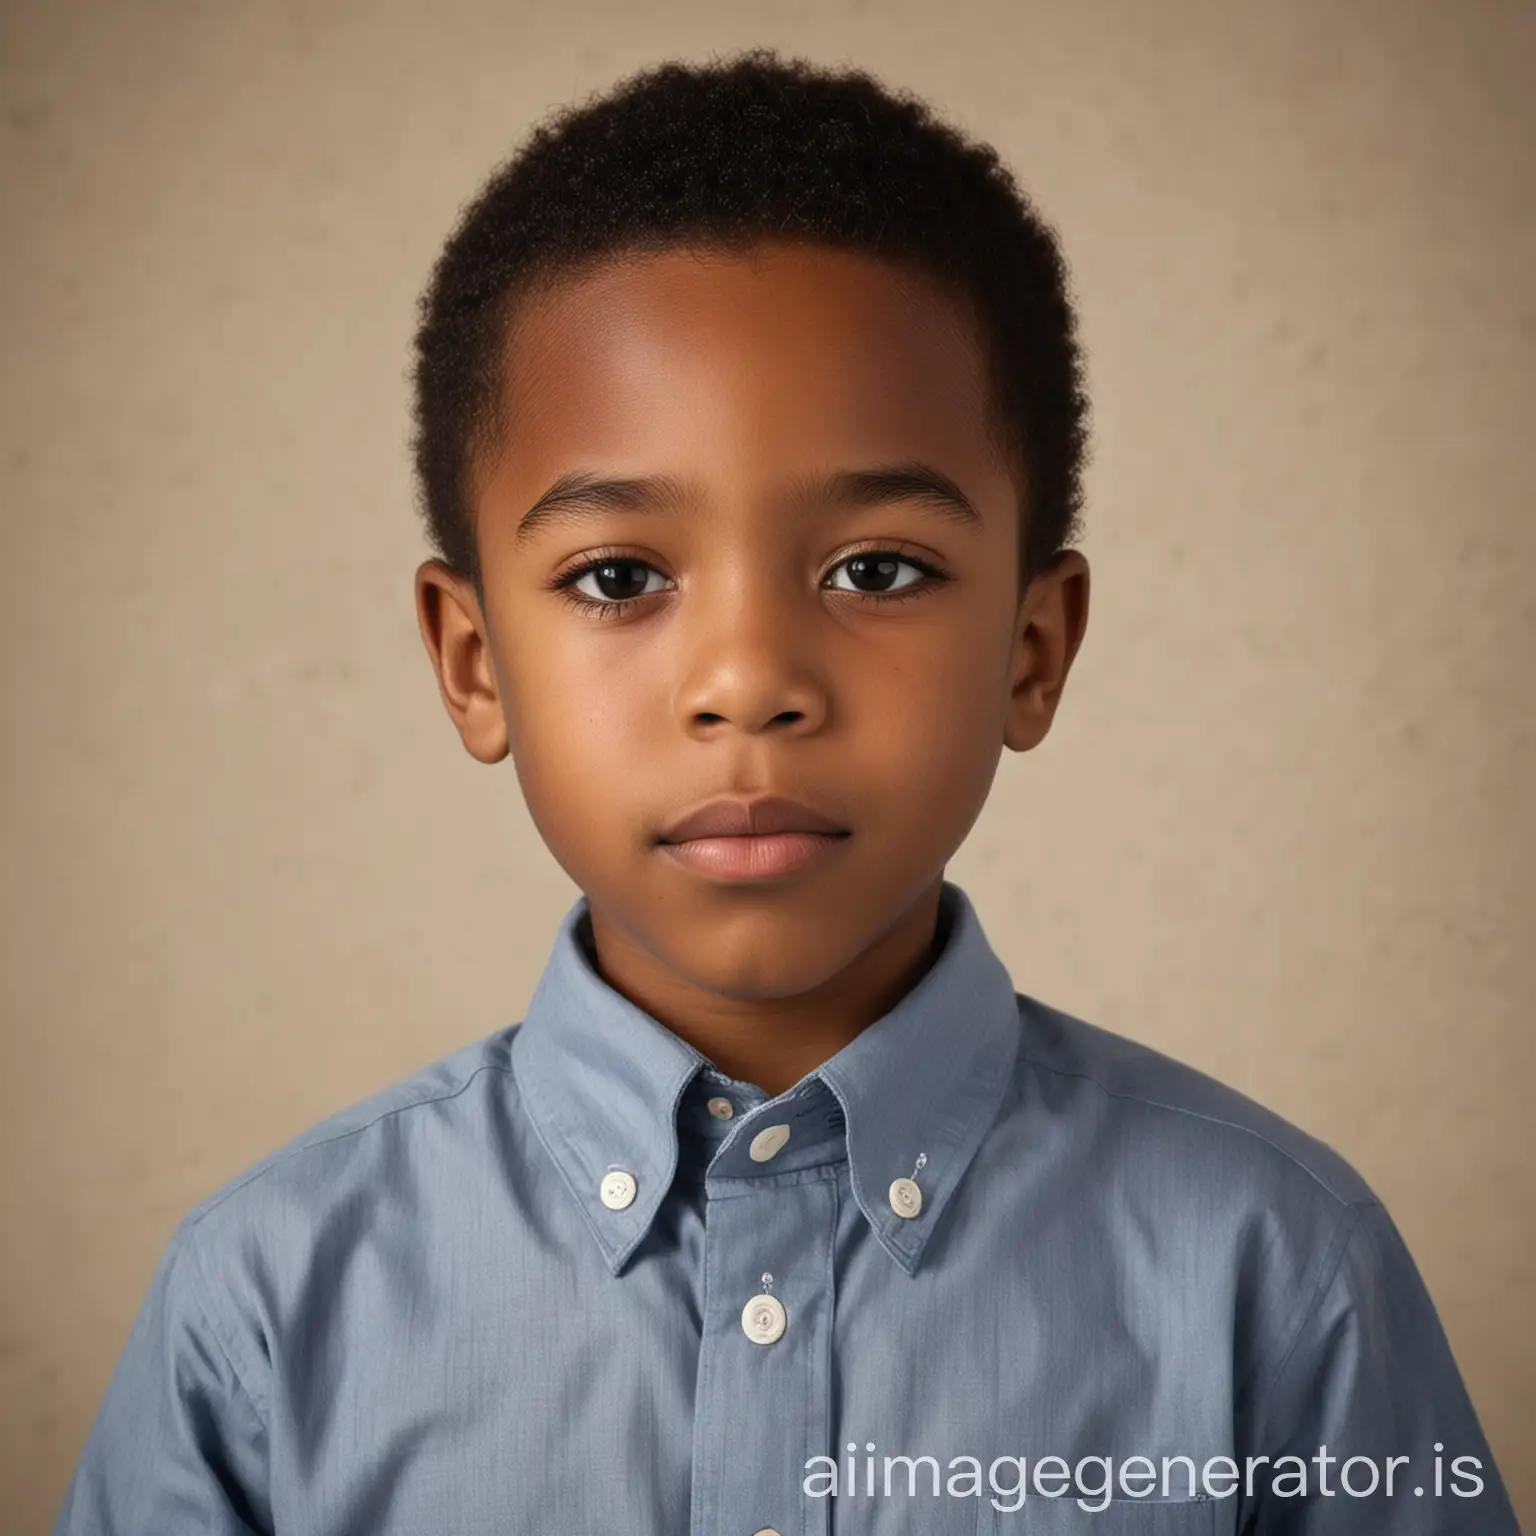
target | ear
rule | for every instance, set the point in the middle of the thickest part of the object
(1053, 616)
(453, 628)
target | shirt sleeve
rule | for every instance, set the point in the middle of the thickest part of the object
(178, 1445)
(1370, 1380)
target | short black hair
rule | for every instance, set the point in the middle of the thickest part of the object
(722, 155)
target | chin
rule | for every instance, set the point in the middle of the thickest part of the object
(768, 966)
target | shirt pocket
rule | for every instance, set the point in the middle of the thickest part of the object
(1119, 1517)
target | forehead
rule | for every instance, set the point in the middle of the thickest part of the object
(752, 359)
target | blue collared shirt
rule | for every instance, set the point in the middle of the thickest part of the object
(571, 1280)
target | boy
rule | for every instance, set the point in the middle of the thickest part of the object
(750, 429)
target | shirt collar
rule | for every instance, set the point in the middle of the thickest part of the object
(602, 1081)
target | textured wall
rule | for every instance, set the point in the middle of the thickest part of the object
(1284, 825)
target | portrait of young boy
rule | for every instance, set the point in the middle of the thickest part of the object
(751, 417)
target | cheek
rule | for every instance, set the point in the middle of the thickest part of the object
(916, 734)
(935, 726)
(576, 715)
(966, 739)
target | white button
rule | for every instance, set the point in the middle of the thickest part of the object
(767, 1530)
(721, 1109)
(906, 1198)
(762, 1319)
(767, 1142)
(617, 1189)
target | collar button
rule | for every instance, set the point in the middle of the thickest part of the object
(768, 1143)
(617, 1189)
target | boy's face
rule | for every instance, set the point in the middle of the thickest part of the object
(760, 656)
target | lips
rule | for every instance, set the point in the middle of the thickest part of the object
(750, 818)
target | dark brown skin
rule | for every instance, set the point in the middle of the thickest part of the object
(749, 667)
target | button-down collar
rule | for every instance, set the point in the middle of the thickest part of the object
(602, 1082)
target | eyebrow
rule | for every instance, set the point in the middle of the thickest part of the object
(581, 494)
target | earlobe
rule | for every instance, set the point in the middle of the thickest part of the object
(1052, 621)
(453, 630)
(1028, 719)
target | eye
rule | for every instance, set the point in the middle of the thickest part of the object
(875, 572)
(616, 580)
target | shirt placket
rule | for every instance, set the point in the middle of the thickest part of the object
(762, 1406)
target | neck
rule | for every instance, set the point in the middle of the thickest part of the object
(774, 1042)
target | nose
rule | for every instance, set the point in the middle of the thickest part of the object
(753, 660)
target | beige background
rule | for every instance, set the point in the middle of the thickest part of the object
(1284, 826)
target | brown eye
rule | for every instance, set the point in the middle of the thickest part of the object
(618, 581)
(875, 572)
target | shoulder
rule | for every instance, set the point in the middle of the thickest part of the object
(391, 1171)
(439, 1100)
(1168, 1183)
(384, 1168)
(1151, 1105)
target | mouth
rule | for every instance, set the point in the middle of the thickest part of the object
(752, 839)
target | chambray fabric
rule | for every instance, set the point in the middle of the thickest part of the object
(420, 1316)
